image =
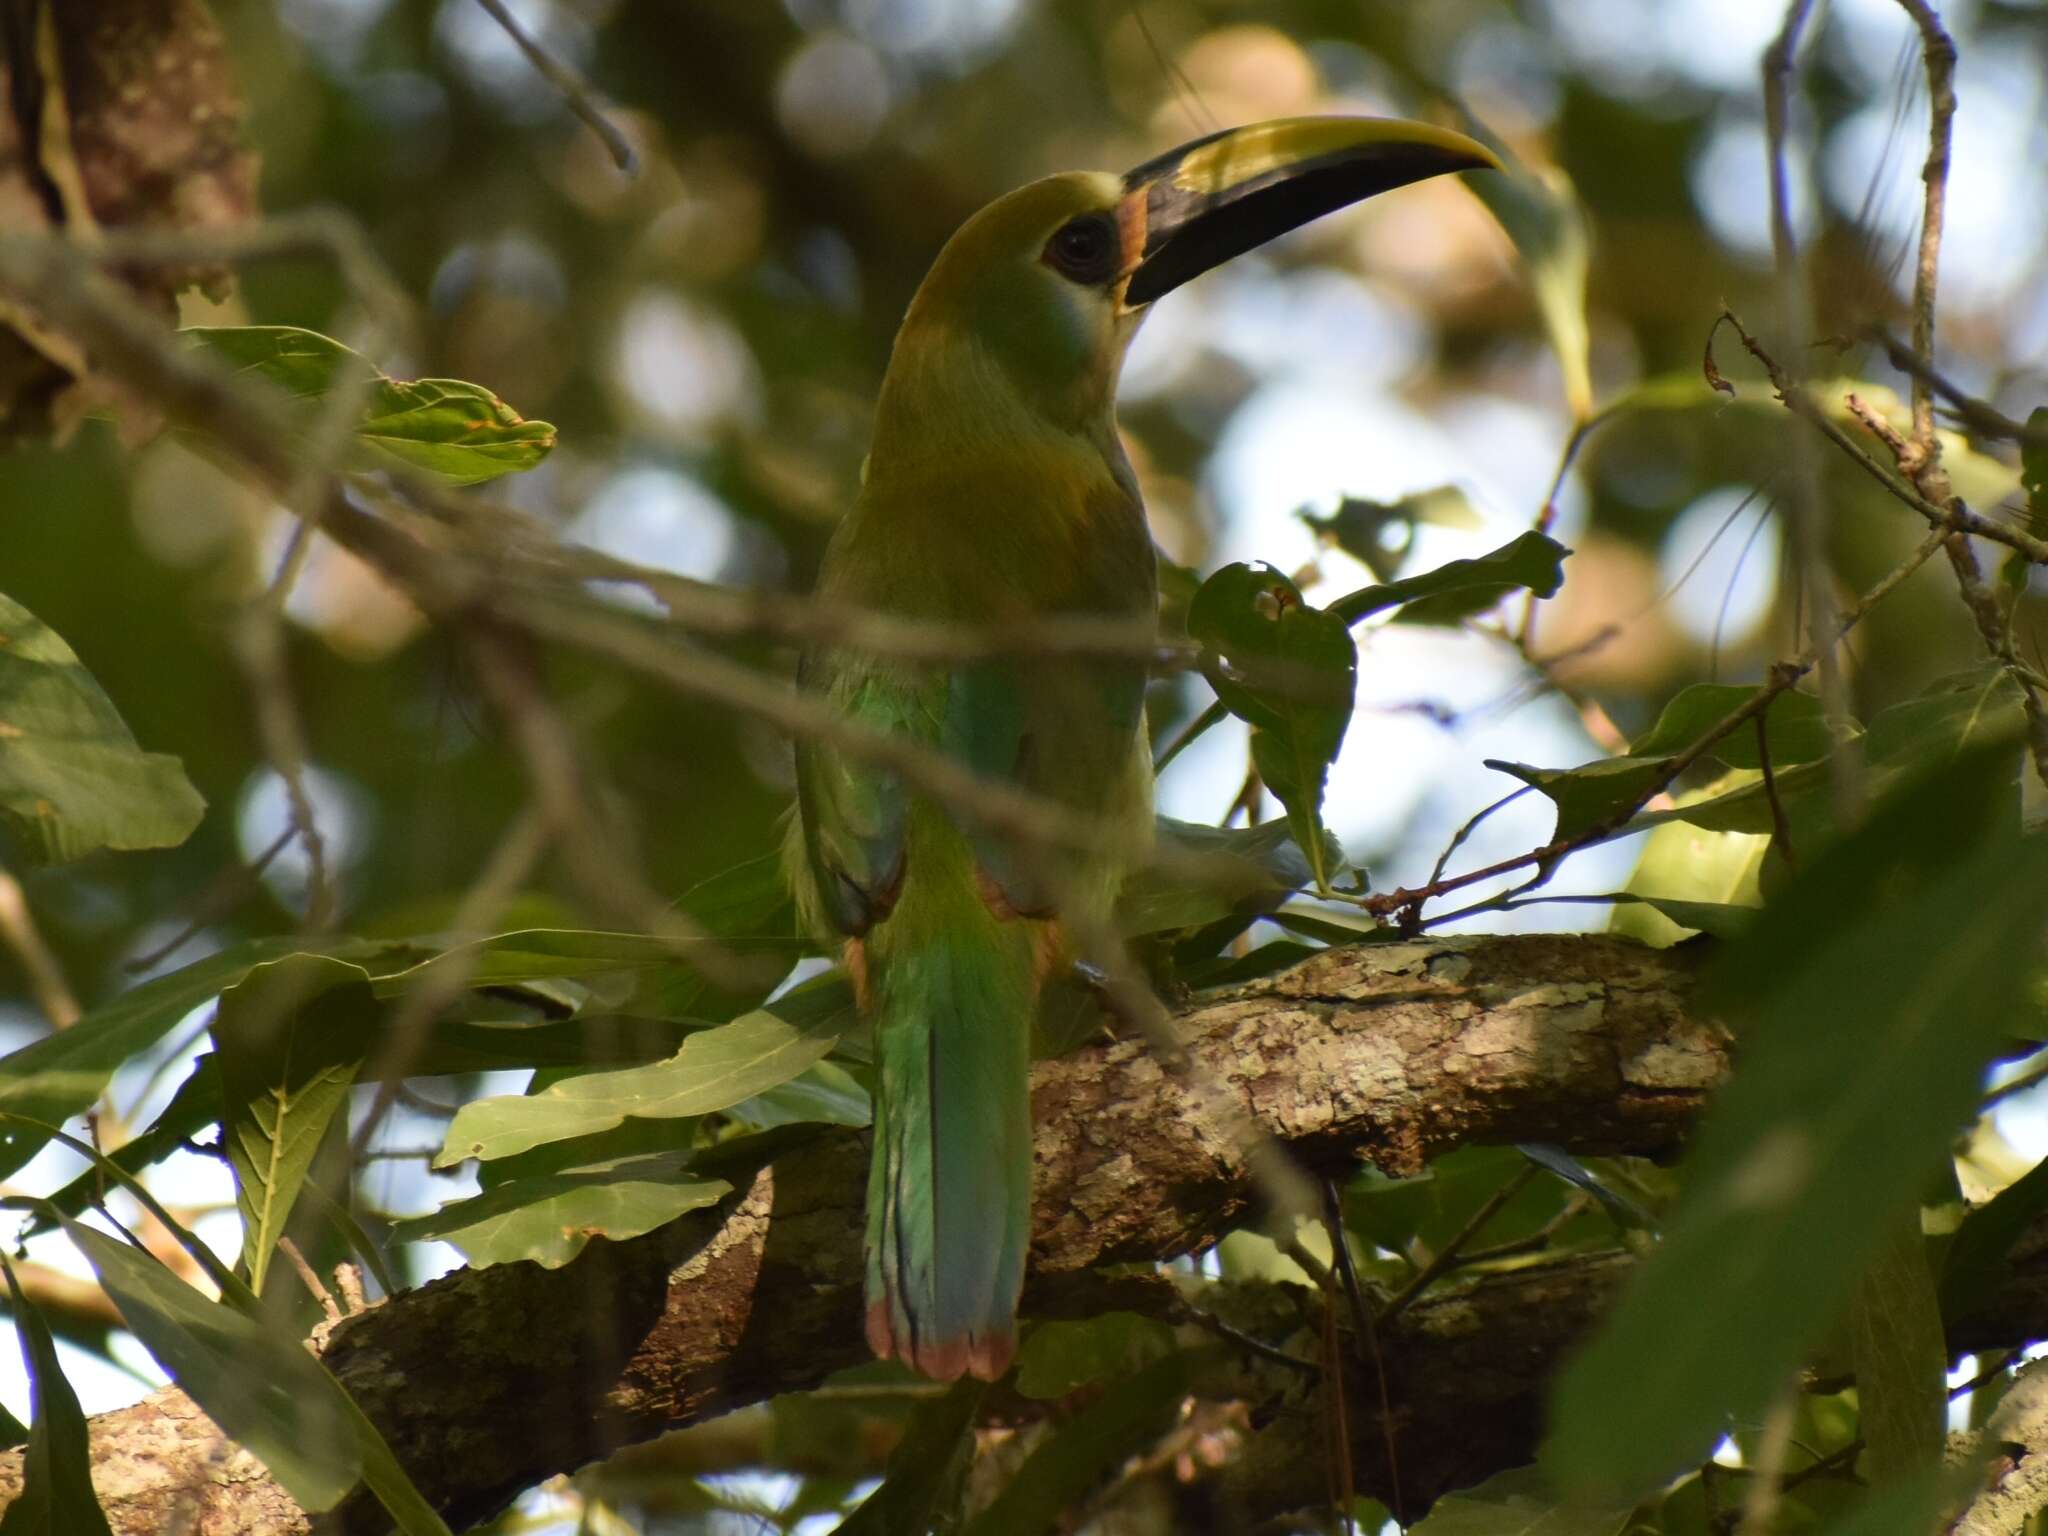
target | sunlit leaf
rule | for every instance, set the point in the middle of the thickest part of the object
(459, 432)
(72, 779)
(1460, 588)
(550, 1218)
(289, 1040)
(1290, 671)
(1873, 990)
(714, 1070)
(1520, 1502)
(56, 1497)
(1059, 1357)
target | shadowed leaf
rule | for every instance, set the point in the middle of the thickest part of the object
(1460, 588)
(72, 779)
(56, 1497)
(1290, 672)
(1873, 991)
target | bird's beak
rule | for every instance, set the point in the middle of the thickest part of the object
(1195, 207)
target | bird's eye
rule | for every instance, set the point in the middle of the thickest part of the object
(1085, 248)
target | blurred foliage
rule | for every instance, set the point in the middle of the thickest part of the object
(704, 337)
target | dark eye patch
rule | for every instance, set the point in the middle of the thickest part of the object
(1085, 248)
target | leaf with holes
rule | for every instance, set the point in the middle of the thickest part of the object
(72, 779)
(458, 432)
(1290, 671)
(289, 1041)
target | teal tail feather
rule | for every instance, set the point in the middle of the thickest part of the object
(951, 989)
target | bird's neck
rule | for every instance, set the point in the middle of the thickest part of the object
(950, 407)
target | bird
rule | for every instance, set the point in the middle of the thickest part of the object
(996, 491)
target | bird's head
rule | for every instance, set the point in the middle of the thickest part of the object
(1048, 283)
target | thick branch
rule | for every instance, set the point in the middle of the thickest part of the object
(490, 1380)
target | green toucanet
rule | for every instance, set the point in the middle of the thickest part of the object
(996, 491)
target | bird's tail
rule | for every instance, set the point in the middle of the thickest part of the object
(951, 987)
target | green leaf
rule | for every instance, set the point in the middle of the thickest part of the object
(1722, 919)
(289, 1041)
(52, 1079)
(714, 1070)
(2034, 471)
(1290, 671)
(1899, 1354)
(1067, 1465)
(822, 1094)
(1461, 588)
(1520, 1502)
(56, 1497)
(1874, 991)
(1436, 1205)
(1254, 869)
(1953, 716)
(193, 1107)
(925, 1470)
(1593, 794)
(72, 779)
(264, 1391)
(459, 432)
(1798, 730)
(550, 1218)
(1979, 1257)
(1059, 1357)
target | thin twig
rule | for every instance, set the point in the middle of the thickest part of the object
(1446, 1256)
(1804, 502)
(1367, 1325)
(1781, 826)
(1209, 1322)
(598, 859)
(315, 1287)
(228, 888)
(45, 976)
(575, 92)
(1782, 677)
(441, 983)
(1760, 1499)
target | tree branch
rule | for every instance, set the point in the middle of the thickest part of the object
(491, 1380)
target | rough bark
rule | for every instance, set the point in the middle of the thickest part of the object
(490, 1380)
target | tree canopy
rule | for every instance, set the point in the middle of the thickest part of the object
(1577, 1041)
